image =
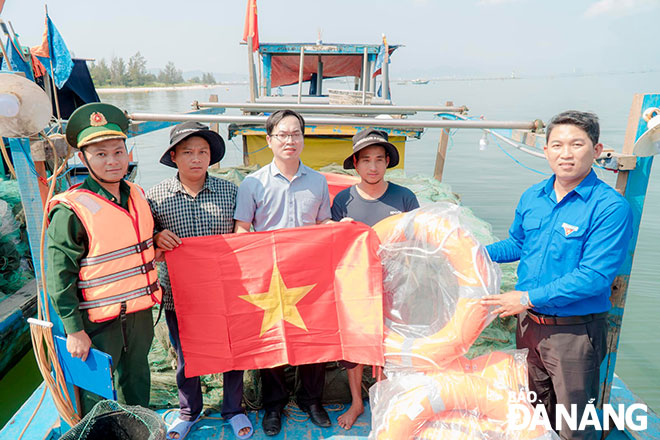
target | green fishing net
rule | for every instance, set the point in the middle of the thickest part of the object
(15, 261)
(110, 420)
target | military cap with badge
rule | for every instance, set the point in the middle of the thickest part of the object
(93, 123)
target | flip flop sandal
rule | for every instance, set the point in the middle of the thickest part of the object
(239, 422)
(181, 427)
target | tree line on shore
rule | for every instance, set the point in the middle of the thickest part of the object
(119, 73)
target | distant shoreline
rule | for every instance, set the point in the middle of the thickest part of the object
(147, 89)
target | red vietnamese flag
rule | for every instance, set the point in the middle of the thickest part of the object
(251, 28)
(292, 296)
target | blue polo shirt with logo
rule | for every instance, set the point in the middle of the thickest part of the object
(569, 251)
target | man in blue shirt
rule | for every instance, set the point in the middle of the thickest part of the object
(286, 194)
(571, 235)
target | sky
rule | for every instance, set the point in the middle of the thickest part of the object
(441, 38)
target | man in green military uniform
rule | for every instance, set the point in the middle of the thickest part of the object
(101, 278)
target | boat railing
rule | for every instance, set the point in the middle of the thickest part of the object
(330, 108)
(358, 121)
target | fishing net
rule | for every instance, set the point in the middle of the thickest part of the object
(15, 262)
(109, 420)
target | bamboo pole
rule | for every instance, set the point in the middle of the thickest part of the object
(251, 68)
(442, 151)
(5, 155)
(4, 54)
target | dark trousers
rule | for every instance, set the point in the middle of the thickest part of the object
(564, 366)
(131, 373)
(275, 394)
(190, 390)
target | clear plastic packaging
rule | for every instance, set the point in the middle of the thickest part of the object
(435, 273)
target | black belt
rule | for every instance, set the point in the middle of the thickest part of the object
(542, 319)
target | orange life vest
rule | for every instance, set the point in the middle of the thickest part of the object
(481, 387)
(118, 274)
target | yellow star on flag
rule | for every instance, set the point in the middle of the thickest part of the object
(279, 303)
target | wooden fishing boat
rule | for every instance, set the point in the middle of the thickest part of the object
(298, 64)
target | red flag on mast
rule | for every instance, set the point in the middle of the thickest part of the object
(251, 28)
(292, 296)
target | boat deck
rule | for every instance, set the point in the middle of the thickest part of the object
(295, 425)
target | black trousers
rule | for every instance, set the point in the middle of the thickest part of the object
(276, 395)
(564, 366)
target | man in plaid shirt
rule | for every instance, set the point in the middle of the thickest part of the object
(194, 204)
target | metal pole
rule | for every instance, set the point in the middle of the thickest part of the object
(363, 122)
(319, 77)
(300, 73)
(372, 78)
(364, 77)
(337, 108)
(260, 84)
(251, 68)
(386, 74)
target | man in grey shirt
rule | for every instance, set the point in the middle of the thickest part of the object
(370, 201)
(285, 194)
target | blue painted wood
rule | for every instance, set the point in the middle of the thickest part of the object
(635, 194)
(267, 72)
(621, 394)
(28, 187)
(41, 427)
(324, 49)
(95, 374)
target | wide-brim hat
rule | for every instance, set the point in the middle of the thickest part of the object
(191, 128)
(95, 122)
(368, 138)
